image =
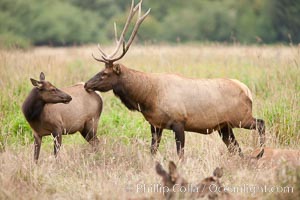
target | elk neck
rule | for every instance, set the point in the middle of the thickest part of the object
(135, 89)
(33, 106)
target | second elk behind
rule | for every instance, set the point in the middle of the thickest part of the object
(51, 111)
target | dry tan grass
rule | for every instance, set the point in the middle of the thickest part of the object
(124, 161)
(117, 170)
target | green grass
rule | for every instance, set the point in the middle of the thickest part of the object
(271, 73)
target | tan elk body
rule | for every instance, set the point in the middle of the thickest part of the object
(276, 156)
(170, 101)
(46, 111)
(202, 105)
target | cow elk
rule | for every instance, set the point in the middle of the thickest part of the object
(274, 157)
(175, 186)
(51, 111)
(170, 101)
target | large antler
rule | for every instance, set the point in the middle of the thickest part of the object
(109, 59)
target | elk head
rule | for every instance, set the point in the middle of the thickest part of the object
(108, 77)
(170, 179)
(49, 93)
(174, 181)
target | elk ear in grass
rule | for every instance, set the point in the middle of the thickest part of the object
(218, 172)
(173, 171)
(160, 170)
(173, 180)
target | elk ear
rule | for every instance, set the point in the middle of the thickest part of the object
(36, 83)
(117, 69)
(160, 170)
(218, 172)
(261, 153)
(173, 171)
(42, 76)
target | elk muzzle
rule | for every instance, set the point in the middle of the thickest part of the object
(88, 87)
(66, 99)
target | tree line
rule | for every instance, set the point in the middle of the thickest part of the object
(76, 22)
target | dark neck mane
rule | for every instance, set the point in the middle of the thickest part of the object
(134, 89)
(33, 106)
(120, 92)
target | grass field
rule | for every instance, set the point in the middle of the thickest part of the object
(124, 160)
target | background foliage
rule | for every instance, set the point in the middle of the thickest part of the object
(74, 22)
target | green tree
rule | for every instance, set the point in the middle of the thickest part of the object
(285, 15)
(71, 22)
(56, 26)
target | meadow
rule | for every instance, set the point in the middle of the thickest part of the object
(123, 161)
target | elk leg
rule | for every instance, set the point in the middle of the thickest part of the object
(259, 125)
(156, 136)
(179, 138)
(226, 133)
(57, 137)
(37, 147)
(89, 132)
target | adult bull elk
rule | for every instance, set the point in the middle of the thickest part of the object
(169, 101)
(46, 111)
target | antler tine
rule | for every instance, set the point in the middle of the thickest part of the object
(109, 59)
(123, 53)
(140, 9)
(131, 14)
(101, 51)
(136, 27)
(116, 32)
(100, 60)
(134, 32)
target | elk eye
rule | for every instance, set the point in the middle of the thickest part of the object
(53, 90)
(104, 75)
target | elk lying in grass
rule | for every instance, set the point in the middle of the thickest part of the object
(175, 186)
(275, 157)
(169, 101)
(44, 111)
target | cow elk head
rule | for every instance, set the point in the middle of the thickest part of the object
(49, 93)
